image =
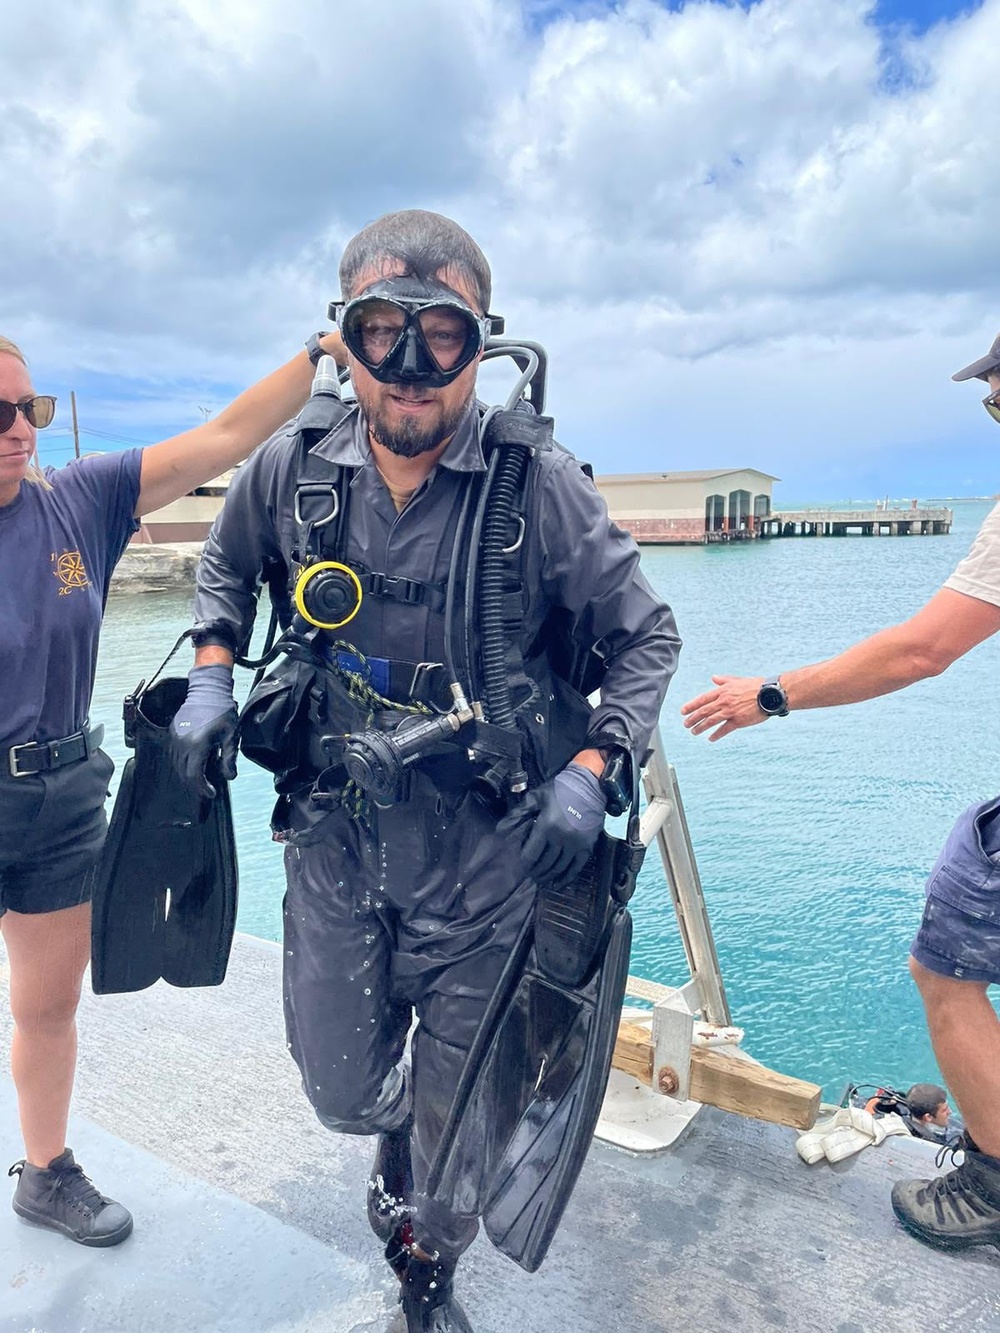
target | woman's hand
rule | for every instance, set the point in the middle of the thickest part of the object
(333, 345)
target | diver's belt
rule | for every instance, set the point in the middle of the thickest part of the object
(44, 756)
(399, 682)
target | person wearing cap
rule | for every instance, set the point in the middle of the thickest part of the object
(955, 956)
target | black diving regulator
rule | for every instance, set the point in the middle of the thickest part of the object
(327, 594)
(379, 762)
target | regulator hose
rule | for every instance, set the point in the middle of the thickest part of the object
(498, 500)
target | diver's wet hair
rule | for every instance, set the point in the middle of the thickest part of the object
(925, 1098)
(425, 242)
(32, 474)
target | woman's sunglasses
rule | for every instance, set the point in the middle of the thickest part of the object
(992, 404)
(38, 412)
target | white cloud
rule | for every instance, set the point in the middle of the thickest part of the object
(767, 234)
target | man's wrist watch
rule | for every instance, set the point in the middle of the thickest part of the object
(616, 779)
(772, 699)
(314, 348)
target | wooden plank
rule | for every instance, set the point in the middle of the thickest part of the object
(719, 1078)
(634, 1052)
(724, 1080)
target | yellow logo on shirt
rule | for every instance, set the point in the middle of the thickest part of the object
(70, 571)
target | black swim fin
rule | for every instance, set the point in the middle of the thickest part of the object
(525, 1110)
(164, 890)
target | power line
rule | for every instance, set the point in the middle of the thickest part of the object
(54, 449)
(116, 439)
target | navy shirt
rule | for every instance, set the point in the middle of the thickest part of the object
(58, 549)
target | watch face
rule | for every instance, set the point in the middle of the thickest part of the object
(771, 698)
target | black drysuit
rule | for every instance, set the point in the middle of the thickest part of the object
(417, 909)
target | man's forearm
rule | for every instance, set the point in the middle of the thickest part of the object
(888, 661)
(947, 627)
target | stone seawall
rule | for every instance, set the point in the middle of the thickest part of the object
(163, 567)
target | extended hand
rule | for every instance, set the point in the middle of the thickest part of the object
(204, 725)
(731, 705)
(568, 816)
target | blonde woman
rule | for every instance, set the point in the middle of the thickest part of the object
(61, 533)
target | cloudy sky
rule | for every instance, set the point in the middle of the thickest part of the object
(760, 234)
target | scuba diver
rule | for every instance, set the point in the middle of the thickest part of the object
(450, 588)
(923, 1109)
(930, 1115)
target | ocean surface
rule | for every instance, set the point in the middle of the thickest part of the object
(814, 833)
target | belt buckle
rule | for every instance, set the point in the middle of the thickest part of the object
(12, 760)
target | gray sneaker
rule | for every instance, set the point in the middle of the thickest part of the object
(957, 1210)
(61, 1197)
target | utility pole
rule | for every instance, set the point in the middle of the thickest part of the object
(76, 428)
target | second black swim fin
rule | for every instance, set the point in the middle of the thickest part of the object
(524, 1113)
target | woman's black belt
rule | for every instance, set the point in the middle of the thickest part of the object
(42, 756)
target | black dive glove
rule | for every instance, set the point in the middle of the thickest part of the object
(562, 819)
(204, 725)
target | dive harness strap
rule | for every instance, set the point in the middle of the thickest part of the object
(410, 592)
(32, 757)
(322, 488)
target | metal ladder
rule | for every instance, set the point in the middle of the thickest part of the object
(703, 995)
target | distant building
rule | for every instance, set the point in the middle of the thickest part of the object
(659, 508)
(187, 519)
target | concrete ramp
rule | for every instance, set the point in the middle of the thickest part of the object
(250, 1216)
(200, 1259)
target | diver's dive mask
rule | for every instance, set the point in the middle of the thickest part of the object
(405, 330)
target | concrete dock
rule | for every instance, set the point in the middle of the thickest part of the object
(250, 1216)
(856, 522)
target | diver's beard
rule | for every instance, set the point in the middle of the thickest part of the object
(409, 438)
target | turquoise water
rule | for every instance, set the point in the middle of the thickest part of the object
(813, 833)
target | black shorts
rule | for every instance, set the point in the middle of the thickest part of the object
(52, 828)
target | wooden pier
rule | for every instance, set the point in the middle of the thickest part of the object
(856, 523)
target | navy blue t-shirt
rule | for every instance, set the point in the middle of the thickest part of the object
(58, 549)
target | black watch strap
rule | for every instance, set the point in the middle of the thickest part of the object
(314, 347)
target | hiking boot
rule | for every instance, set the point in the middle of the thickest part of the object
(957, 1210)
(390, 1196)
(59, 1196)
(428, 1301)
